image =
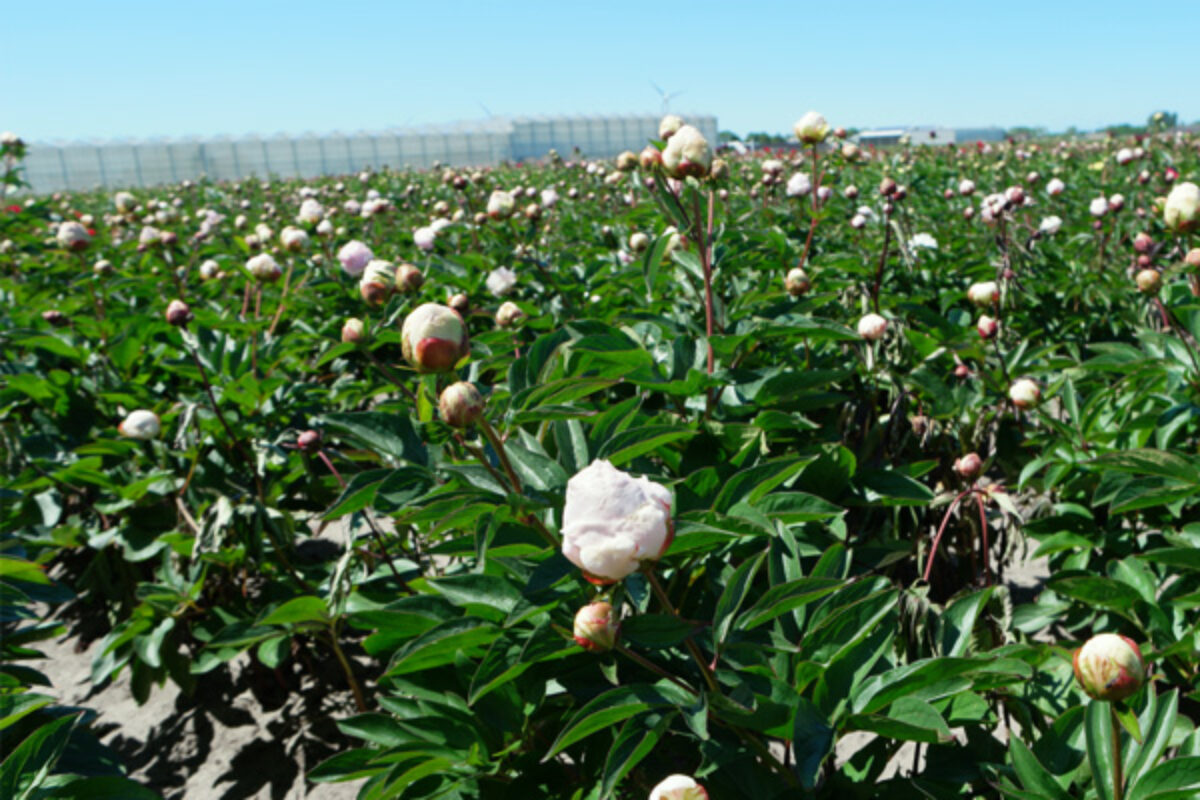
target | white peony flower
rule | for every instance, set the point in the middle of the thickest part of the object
(1050, 225)
(612, 521)
(73, 236)
(922, 241)
(354, 256)
(140, 424)
(501, 281)
(424, 238)
(549, 197)
(1055, 187)
(811, 128)
(311, 212)
(1182, 209)
(1098, 207)
(799, 185)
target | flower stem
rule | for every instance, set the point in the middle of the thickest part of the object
(490, 433)
(697, 656)
(360, 701)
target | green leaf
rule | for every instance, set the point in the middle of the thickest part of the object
(18, 569)
(636, 740)
(28, 764)
(812, 742)
(297, 611)
(958, 622)
(1159, 727)
(655, 631)
(1177, 779)
(1099, 737)
(1033, 775)
(733, 596)
(1094, 590)
(638, 441)
(441, 645)
(785, 597)
(605, 711)
(390, 434)
(909, 719)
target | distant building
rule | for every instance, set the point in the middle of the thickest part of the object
(926, 135)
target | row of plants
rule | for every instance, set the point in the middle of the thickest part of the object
(670, 475)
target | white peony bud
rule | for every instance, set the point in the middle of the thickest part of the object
(679, 787)
(433, 338)
(1182, 210)
(501, 281)
(872, 327)
(354, 256)
(687, 154)
(811, 128)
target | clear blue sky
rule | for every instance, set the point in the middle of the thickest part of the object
(110, 69)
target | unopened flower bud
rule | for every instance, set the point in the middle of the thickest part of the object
(649, 158)
(987, 327)
(872, 327)
(1109, 667)
(984, 294)
(434, 338)
(178, 313)
(595, 628)
(409, 279)
(461, 404)
(353, 331)
(638, 242)
(309, 441)
(668, 126)
(627, 161)
(687, 154)
(1192, 259)
(460, 303)
(264, 268)
(509, 314)
(1024, 393)
(797, 282)
(1181, 212)
(968, 466)
(811, 128)
(1142, 242)
(1149, 281)
(887, 187)
(55, 317)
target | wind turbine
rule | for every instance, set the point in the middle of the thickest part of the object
(666, 98)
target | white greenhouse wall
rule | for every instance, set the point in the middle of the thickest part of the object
(57, 166)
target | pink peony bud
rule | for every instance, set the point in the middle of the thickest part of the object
(1142, 242)
(434, 338)
(309, 441)
(1109, 667)
(353, 331)
(612, 522)
(354, 257)
(872, 327)
(595, 628)
(461, 404)
(178, 313)
(649, 158)
(378, 282)
(968, 466)
(987, 327)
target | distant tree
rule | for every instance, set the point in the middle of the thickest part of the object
(725, 137)
(1162, 120)
(1022, 132)
(760, 138)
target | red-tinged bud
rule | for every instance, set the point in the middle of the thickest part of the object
(1024, 393)
(55, 317)
(509, 315)
(797, 283)
(1144, 260)
(461, 405)
(1192, 259)
(948, 194)
(968, 466)
(962, 371)
(987, 327)
(596, 629)
(887, 187)
(1109, 667)
(650, 157)
(409, 279)
(900, 194)
(460, 303)
(353, 331)
(178, 313)
(1142, 242)
(434, 338)
(309, 441)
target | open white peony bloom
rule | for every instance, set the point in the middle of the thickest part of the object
(501, 281)
(678, 787)
(141, 424)
(612, 521)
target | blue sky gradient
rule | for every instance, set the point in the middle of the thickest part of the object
(108, 70)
